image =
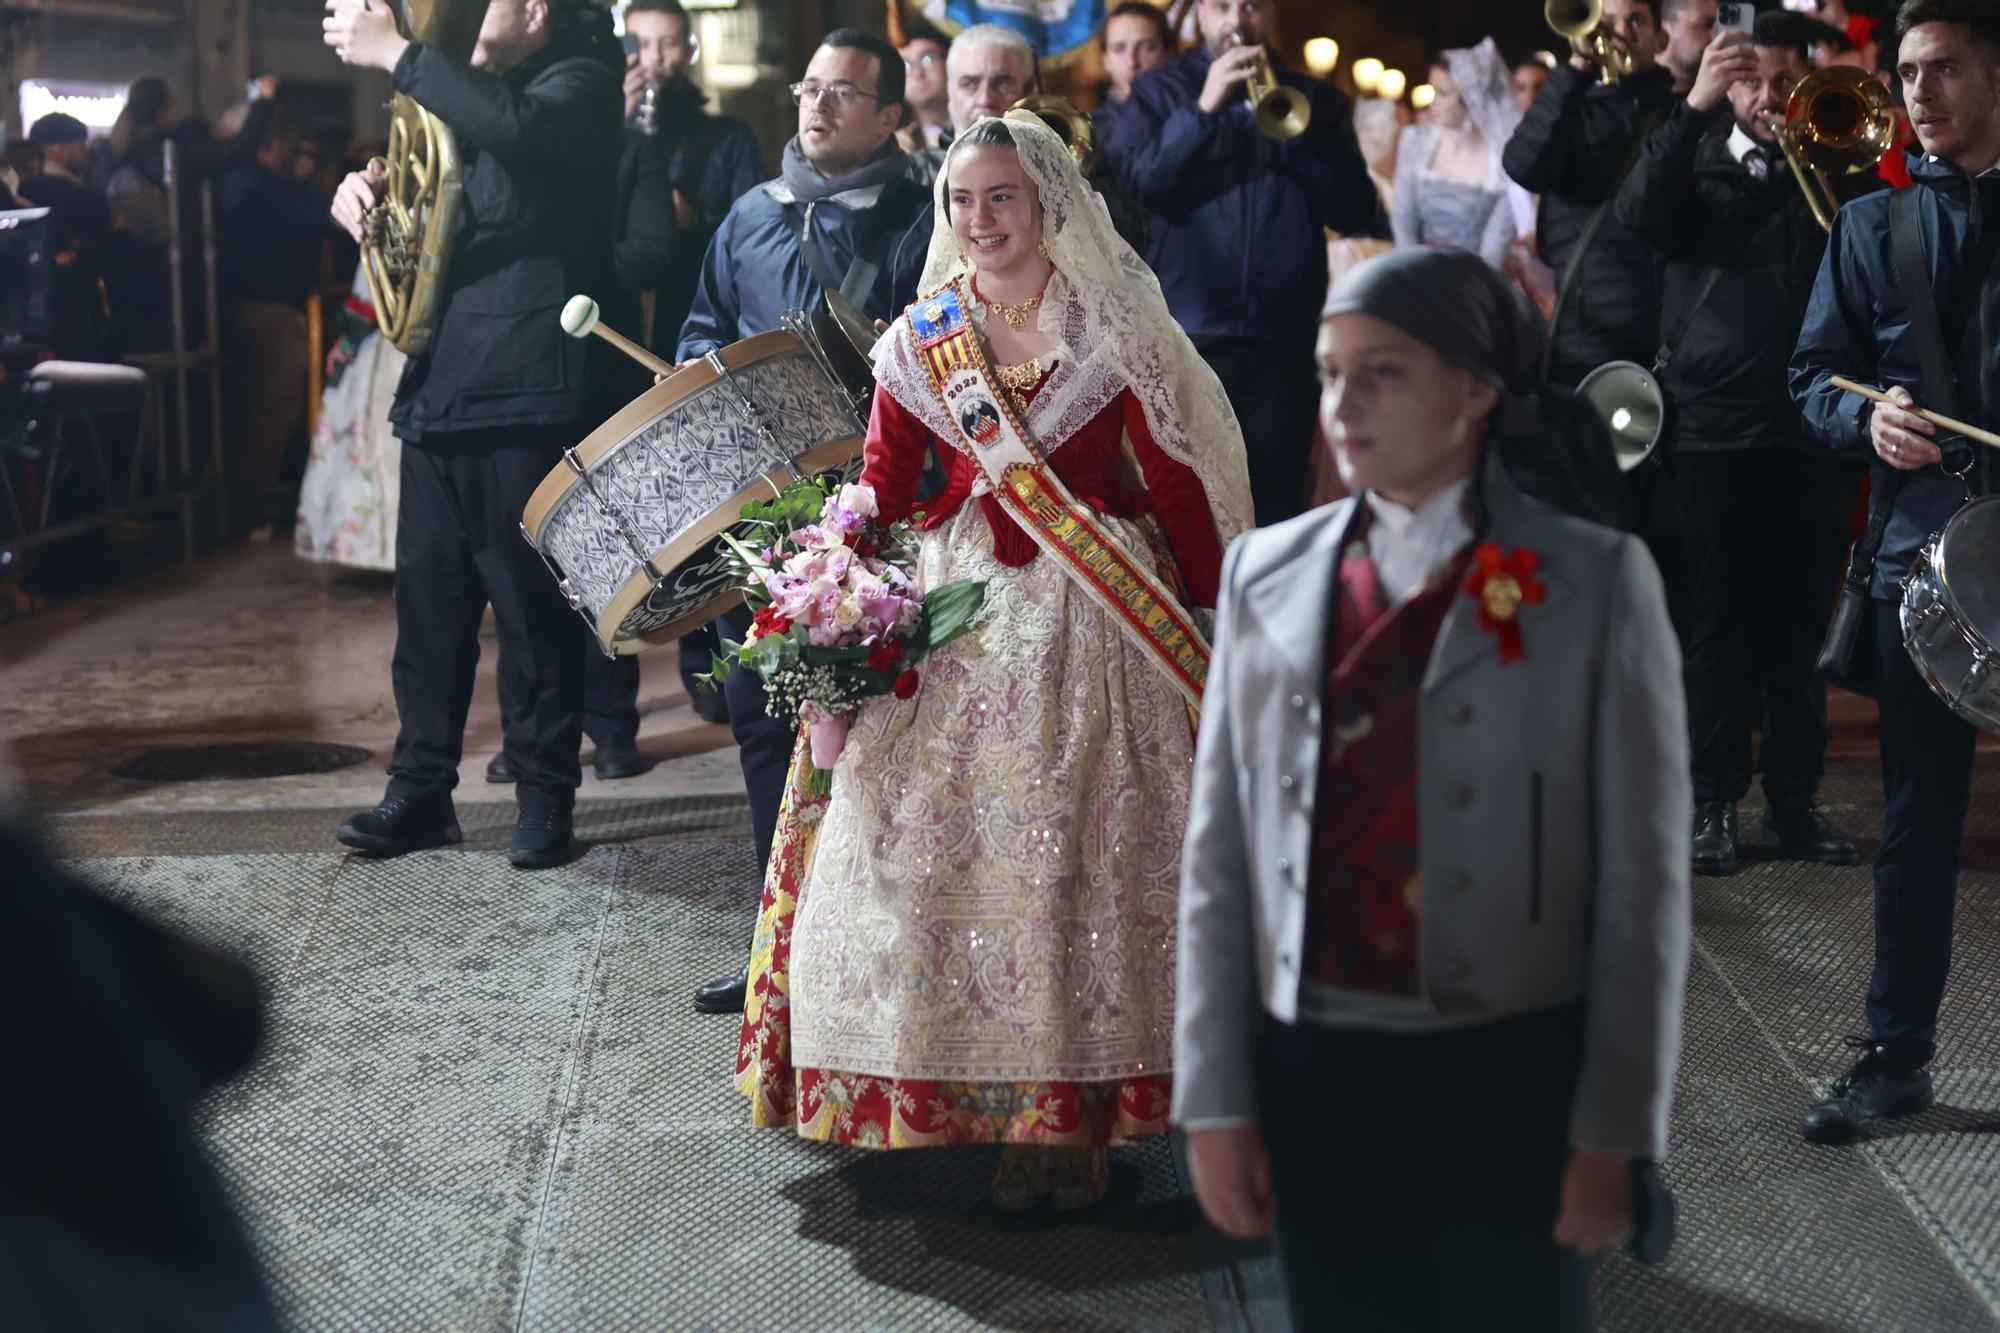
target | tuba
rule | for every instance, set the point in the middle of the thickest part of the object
(407, 235)
(1281, 112)
(1070, 125)
(1582, 22)
(1839, 121)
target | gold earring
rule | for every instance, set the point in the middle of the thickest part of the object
(1043, 246)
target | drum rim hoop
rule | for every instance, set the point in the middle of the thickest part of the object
(1933, 555)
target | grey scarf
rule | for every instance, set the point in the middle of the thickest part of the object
(802, 178)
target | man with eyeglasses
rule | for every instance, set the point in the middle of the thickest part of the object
(843, 215)
(929, 122)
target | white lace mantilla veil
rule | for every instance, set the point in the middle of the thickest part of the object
(1109, 320)
(1485, 85)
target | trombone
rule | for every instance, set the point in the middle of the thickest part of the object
(1839, 121)
(1582, 22)
(1281, 112)
(1070, 125)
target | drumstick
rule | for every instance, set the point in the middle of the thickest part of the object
(1935, 418)
(579, 320)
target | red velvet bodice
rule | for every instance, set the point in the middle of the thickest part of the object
(1091, 463)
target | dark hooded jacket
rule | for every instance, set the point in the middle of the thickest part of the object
(1572, 148)
(540, 145)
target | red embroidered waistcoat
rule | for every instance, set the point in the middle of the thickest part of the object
(1363, 896)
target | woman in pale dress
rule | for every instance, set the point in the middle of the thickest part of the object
(1450, 189)
(972, 941)
(348, 498)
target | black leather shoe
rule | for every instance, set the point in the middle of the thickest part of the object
(543, 836)
(1878, 1087)
(501, 770)
(1802, 832)
(402, 824)
(623, 761)
(710, 706)
(723, 996)
(1715, 838)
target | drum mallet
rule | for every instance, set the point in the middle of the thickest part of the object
(580, 320)
(1935, 418)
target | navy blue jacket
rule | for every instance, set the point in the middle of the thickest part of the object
(1858, 325)
(755, 270)
(1237, 218)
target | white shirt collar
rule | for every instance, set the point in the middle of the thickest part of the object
(1409, 546)
(1741, 145)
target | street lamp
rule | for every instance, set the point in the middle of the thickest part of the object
(1422, 96)
(1391, 85)
(1367, 73)
(1322, 54)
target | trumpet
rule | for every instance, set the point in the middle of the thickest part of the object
(1582, 22)
(1070, 125)
(1281, 112)
(1839, 121)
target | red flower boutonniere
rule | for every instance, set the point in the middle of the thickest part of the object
(1503, 581)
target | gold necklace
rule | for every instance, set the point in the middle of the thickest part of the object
(1015, 315)
(1023, 377)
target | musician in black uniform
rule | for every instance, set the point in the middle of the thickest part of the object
(1752, 519)
(485, 412)
(843, 214)
(1866, 323)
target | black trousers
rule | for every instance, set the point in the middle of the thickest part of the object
(1926, 783)
(1419, 1175)
(458, 547)
(610, 692)
(1274, 388)
(1751, 545)
(764, 743)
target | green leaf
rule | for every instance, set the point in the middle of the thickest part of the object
(949, 611)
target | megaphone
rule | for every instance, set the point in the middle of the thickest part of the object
(1628, 398)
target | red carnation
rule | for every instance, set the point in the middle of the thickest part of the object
(886, 656)
(768, 621)
(906, 684)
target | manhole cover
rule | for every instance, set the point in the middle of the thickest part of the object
(247, 759)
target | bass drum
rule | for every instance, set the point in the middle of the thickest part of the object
(1951, 613)
(630, 523)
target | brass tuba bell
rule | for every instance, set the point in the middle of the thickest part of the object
(1839, 121)
(407, 236)
(1070, 125)
(1582, 22)
(1281, 112)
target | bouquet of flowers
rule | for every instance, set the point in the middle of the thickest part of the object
(837, 617)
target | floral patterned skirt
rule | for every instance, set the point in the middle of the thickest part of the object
(353, 479)
(866, 1111)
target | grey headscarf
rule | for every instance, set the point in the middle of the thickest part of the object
(1553, 443)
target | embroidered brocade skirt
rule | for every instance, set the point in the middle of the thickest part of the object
(973, 939)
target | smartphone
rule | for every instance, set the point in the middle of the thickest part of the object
(1734, 16)
(631, 45)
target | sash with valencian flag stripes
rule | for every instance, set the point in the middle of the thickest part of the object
(1149, 613)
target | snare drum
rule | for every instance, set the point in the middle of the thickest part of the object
(629, 523)
(1951, 613)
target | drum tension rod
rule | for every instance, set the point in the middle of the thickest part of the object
(751, 412)
(617, 516)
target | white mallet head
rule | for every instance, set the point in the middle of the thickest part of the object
(579, 317)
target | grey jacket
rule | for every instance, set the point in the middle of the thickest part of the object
(1554, 814)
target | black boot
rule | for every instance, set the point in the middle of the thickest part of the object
(1880, 1086)
(542, 832)
(502, 769)
(1715, 838)
(723, 996)
(619, 761)
(402, 824)
(1801, 831)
